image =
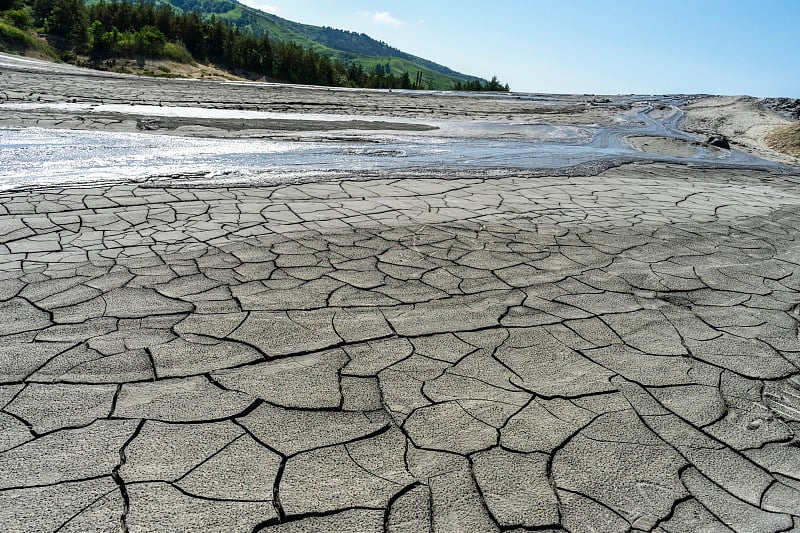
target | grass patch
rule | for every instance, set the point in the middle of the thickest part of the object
(11, 36)
(785, 139)
(176, 52)
(19, 18)
(15, 40)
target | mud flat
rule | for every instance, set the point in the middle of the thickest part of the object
(482, 351)
(34, 82)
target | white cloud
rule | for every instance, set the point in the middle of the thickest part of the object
(269, 8)
(384, 17)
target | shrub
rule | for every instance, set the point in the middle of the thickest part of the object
(9, 4)
(12, 36)
(19, 18)
(177, 52)
(149, 41)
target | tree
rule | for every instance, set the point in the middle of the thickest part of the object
(476, 85)
(325, 71)
(123, 15)
(166, 21)
(6, 5)
(377, 80)
(20, 18)
(149, 41)
(42, 10)
(265, 56)
(97, 33)
(405, 81)
(356, 75)
(68, 19)
(191, 32)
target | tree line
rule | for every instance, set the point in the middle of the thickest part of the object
(475, 85)
(122, 28)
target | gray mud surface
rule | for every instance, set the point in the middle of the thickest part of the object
(64, 83)
(482, 351)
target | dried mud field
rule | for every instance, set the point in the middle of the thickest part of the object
(504, 351)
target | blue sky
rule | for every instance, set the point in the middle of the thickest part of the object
(562, 46)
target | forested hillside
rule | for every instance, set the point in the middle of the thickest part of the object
(99, 33)
(346, 46)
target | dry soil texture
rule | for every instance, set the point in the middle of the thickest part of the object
(606, 353)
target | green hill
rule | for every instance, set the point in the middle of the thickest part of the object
(223, 33)
(345, 46)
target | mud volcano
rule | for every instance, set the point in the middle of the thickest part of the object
(517, 315)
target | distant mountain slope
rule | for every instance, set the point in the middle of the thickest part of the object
(345, 46)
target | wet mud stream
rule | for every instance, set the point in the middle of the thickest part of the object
(38, 156)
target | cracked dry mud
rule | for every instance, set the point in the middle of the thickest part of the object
(609, 353)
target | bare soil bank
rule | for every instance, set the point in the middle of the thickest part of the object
(744, 120)
(785, 139)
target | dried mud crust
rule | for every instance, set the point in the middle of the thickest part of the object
(663, 145)
(615, 352)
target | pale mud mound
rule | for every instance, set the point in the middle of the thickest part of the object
(663, 146)
(744, 120)
(785, 139)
